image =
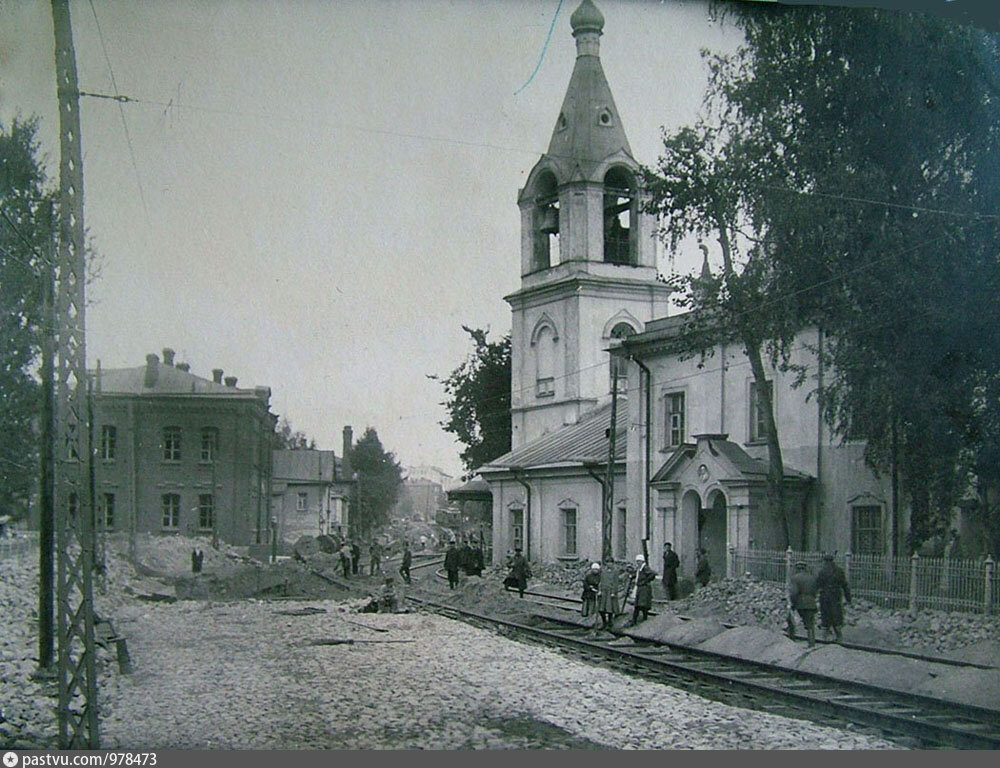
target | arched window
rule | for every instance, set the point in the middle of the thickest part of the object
(545, 222)
(619, 365)
(545, 361)
(619, 217)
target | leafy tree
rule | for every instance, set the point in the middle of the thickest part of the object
(379, 478)
(864, 148)
(290, 440)
(26, 249)
(478, 400)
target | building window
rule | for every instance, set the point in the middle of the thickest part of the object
(545, 354)
(867, 537)
(674, 409)
(209, 444)
(171, 511)
(109, 439)
(206, 511)
(171, 443)
(106, 511)
(620, 209)
(569, 531)
(517, 528)
(620, 550)
(758, 423)
(300, 502)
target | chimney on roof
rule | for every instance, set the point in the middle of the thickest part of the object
(168, 356)
(217, 375)
(348, 447)
(152, 371)
(184, 367)
(230, 381)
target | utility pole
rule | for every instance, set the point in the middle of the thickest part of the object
(74, 502)
(609, 484)
(46, 518)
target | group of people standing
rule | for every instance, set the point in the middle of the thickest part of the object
(830, 586)
(469, 558)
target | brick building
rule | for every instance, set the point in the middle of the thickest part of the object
(177, 453)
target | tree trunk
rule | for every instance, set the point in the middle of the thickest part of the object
(752, 344)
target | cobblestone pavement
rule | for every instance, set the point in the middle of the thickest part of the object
(240, 675)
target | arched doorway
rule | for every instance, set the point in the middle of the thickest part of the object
(712, 533)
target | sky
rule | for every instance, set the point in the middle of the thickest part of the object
(315, 196)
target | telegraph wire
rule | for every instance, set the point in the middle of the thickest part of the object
(121, 109)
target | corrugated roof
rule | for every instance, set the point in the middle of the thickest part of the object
(303, 465)
(169, 381)
(585, 442)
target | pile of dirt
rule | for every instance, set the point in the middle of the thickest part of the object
(170, 555)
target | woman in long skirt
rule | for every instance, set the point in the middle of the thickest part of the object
(607, 595)
(591, 587)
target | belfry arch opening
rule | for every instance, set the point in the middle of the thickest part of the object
(620, 217)
(545, 222)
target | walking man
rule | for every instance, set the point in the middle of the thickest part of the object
(607, 595)
(404, 567)
(670, 565)
(355, 556)
(703, 571)
(832, 585)
(375, 558)
(451, 565)
(802, 597)
(520, 571)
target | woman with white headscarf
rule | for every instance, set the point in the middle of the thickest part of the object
(591, 586)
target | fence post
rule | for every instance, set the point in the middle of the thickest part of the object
(913, 581)
(731, 563)
(788, 566)
(847, 567)
(988, 593)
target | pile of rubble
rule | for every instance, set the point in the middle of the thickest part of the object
(749, 601)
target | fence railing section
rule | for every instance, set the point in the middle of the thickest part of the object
(914, 582)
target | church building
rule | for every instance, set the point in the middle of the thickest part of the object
(588, 280)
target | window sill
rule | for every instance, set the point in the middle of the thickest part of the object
(174, 462)
(567, 557)
(756, 441)
(204, 462)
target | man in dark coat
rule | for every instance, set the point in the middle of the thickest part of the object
(355, 558)
(802, 591)
(832, 585)
(520, 571)
(404, 566)
(607, 595)
(465, 557)
(451, 565)
(670, 565)
(375, 558)
(478, 561)
(644, 577)
(703, 571)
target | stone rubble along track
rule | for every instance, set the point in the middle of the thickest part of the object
(239, 675)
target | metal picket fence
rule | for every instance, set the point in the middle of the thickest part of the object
(914, 582)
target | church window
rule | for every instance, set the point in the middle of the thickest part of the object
(620, 213)
(758, 420)
(545, 353)
(619, 365)
(674, 428)
(867, 537)
(545, 223)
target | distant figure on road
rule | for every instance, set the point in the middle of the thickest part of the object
(832, 585)
(802, 591)
(607, 595)
(345, 559)
(355, 555)
(404, 567)
(374, 558)
(197, 557)
(703, 571)
(451, 562)
(644, 577)
(670, 565)
(519, 574)
(591, 587)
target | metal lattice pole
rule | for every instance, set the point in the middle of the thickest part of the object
(77, 709)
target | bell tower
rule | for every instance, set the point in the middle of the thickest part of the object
(588, 253)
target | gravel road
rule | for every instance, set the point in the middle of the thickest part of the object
(240, 675)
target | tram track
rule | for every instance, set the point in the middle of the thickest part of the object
(915, 719)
